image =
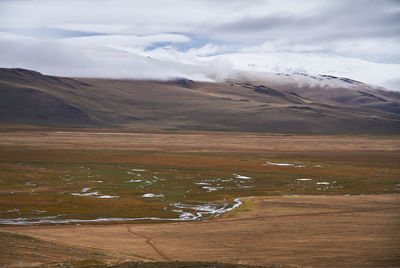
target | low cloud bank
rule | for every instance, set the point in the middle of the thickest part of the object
(203, 40)
(114, 58)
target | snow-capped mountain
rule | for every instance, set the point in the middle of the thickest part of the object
(379, 74)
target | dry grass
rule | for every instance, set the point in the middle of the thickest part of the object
(301, 231)
(21, 251)
(39, 175)
(40, 169)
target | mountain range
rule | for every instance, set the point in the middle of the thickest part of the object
(267, 102)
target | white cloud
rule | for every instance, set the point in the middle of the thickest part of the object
(13, 36)
(204, 38)
(64, 59)
(124, 42)
(392, 84)
(96, 28)
(377, 50)
(314, 63)
(205, 50)
(280, 45)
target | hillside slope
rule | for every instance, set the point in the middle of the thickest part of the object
(277, 103)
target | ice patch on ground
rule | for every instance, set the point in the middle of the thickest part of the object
(323, 183)
(133, 174)
(37, 211)
(304, 179)
(200, 211)
(211, 189)
(135, 181)
(237, 176)
(85, 194)
(108, 196)
(278, 164)
(297, 165)
(138, 169)
(152, 195)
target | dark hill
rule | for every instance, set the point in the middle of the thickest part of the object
(28, 97)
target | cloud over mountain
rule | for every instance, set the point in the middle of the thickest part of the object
(202, 39)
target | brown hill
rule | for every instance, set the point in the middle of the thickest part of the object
(28, 97)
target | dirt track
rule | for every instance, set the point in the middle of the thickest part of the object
(305, 231)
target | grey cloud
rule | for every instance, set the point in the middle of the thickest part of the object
(364, 29)
(353, 19)
(323, 26)
(266, 23)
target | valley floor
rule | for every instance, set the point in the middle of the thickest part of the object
(298, 231)
(314, 201)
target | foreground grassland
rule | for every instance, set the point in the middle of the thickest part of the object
(22, 250)
(275, 231)
(306, 201)
(81, 176)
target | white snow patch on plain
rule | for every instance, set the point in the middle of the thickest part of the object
(38, 211)
(323, 183)
(85, 194)
(135, 180)
(237, 176)
(133, 174)
(208, 209)
(202, 183)
(303, 179)
(297, 165)
(211, 189)
(152, 195)
(108, 196)
(278, 164)
(138, 169)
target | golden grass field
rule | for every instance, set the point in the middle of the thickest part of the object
(301, 231)
(318, 201)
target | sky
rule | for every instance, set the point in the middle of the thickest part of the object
(203, 39)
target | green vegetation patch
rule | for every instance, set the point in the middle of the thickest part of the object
(106, 186)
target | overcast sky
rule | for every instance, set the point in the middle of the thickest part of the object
(115, 38)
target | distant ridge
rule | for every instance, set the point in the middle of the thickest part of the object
(277, 103)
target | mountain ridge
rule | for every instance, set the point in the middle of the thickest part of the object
(266, 104)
